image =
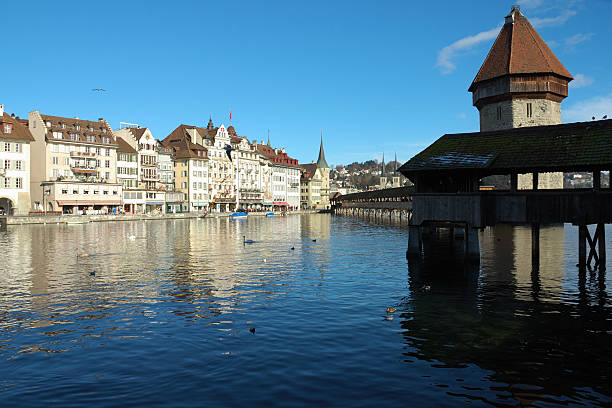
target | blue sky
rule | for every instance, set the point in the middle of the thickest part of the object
(385, 75)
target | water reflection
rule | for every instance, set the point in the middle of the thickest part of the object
(537, 343)
(167, 316)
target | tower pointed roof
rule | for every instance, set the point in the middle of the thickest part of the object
(210, 125)
(321, 162)
(519, 49)
(395, 165)
(382, 173)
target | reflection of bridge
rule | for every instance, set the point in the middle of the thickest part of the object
(377, 203)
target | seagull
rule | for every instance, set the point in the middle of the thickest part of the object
(605, 117)
(228, 150)
(593, 118)
(92, 273)
(99, 90)
(247, 241)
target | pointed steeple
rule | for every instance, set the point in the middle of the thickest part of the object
(321, 163)
(268, 137)
(210, 125)
(383, 173)
(395, 164)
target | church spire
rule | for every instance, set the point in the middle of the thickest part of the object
(383, 166)
(321, 163)
(395, 164)
(210, 125)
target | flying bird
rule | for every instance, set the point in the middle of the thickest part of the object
(593, 118)
(228, 150)
(605, 117)
(99, 90)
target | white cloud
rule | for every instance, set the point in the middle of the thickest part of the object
(585, 110)
(581, 80)
(448, 53)
(578, 38)
(540, 22)
(531, 4)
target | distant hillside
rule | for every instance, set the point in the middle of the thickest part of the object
(361, 176)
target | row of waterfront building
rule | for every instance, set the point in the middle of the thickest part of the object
(72, 165)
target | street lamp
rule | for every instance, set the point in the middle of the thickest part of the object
(46, 192)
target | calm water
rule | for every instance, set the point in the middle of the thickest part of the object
(166, 320)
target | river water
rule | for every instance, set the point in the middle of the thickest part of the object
(185, 314)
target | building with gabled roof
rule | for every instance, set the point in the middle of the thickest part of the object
(74, 164)
(285, 173)
(15, 140)
(191, 165)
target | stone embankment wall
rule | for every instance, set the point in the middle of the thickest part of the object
(67, 219)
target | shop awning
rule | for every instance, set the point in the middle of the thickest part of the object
(64, 202)
(281, 203)
(155, 203)
(199, 204)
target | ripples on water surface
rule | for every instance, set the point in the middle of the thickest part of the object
(166, 319)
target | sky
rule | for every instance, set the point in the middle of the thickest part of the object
(372, 76)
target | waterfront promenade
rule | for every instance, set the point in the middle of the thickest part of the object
(82, 219)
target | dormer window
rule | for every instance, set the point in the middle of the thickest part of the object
(73, 136)
(90, 128)
(90, 138)
(77, 127)
(48, 123)
(8, 128)
(103, 130)
(63, 125)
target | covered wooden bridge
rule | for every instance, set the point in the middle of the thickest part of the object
(377, 204)
(448, 177)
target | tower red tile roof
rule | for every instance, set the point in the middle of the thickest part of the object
(519, 49)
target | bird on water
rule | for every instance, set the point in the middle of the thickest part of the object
(92, 273)
(247, 241)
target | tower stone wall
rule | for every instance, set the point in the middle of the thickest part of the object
(516, 113)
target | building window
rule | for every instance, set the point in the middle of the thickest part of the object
(18, 165)
(7, 182)
(499, 113)
(107, 175)
(74, 137)
(64, 191)
(63, 125)
(7, 164)
(529, 110)
(107, 164)
(55, 160)
(7, 147)
(7, 128)
(75, 191)
(18, 182)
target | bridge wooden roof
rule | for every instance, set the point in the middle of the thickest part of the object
(387, 193)
(582, 146)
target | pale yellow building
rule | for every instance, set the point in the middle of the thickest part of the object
(75, 160)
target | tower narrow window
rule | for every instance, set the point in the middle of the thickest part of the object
(499, 113)
(529, 110)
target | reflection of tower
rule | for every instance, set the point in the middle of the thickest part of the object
(383, 174)
(551, 271)
(521, 83)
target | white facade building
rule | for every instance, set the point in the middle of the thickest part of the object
(15, 139)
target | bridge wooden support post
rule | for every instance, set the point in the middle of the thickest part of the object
(535, 243)
(602, 246)
(415, 241)
(582, 241)
(472, 246)
(3, 223)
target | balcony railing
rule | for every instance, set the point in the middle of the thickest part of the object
(82, 154)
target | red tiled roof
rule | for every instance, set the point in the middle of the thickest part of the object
(277, 156)
(180, 142)
(124, 147)
(18, 130)
(519, 49)
(97, 129)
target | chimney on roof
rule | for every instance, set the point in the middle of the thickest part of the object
(1, 110)
(12, 115)
(100, 119)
